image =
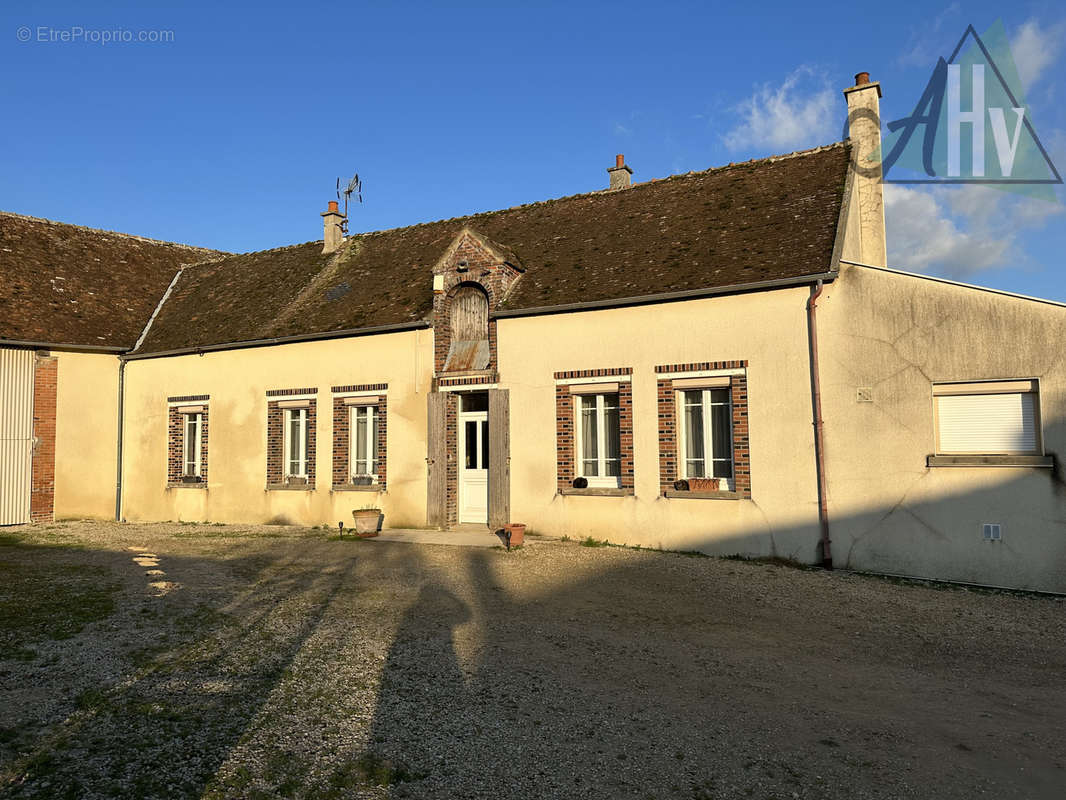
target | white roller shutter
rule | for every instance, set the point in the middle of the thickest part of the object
(16, 434)
(988, 423)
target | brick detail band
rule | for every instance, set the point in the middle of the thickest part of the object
(43, 469)
(188, 398)
(275, 465)
(342, 442)
(565, 420)
(669, 450)
(701, 366)
(471, 380)
(361, 387)
(176, 443)
(284, 392)
(593, 373)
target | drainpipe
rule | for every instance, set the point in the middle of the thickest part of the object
(816, 403)
(121, 411)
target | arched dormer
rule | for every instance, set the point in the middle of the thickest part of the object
(471, 279)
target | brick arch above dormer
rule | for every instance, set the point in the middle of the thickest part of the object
(470, 260)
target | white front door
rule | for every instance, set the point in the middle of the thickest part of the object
(474, 466)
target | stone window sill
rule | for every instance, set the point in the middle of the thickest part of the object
(351, 487)
(183, 485)
(285, 487)
(719, 495)
(593, 492)
(1043, 462)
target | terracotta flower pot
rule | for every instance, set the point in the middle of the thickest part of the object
(516, 533)
(704, 484)
(367, 522)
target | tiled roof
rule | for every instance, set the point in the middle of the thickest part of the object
(65, 284)
(763, 220)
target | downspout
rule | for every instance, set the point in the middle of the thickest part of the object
(816, 403)
(121, 426)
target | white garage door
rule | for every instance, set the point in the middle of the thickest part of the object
(16, 434)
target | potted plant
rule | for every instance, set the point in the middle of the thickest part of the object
(191, 479)
(367, 521)
(516, 534)
(704, 484)
(362, 480)
(296, 480)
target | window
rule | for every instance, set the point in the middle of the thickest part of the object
(990, 418)
(599, 440)
(192, 456)
(364, 427)
(706, 420)
(296, 429)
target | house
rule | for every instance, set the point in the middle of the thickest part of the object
(719, 361)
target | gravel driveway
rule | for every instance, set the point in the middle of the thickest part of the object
(195, 660)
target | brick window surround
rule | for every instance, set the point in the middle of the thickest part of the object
(565, 456)
(276, 436)
(342, 430)
(43, 464)
(669, 446)
(176, 440)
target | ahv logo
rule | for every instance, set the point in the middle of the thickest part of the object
(971, 124)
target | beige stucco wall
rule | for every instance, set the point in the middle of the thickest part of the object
(237, 382)
(768, 329)
(86, 435)
(897, 335)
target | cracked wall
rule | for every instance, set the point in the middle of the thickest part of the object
(895, 335)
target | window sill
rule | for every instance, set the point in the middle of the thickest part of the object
(284, 487)
(719, 495)
(183, 485)
(351, 487)
(1044, 462)
(594, 492)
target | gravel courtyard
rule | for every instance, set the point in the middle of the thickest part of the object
(178, 660)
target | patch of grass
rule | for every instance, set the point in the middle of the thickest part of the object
(369, 769)
(773, 561)
(591, 542)
(91, 700)
(51, 602)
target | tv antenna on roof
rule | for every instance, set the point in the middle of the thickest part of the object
(355, 186)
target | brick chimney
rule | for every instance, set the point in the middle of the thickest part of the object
(332, 232)
(867, 217)
(619, 173)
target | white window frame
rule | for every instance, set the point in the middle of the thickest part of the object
(601, 481)
(371, 442)
(197, 444)
(304, 431)
(706, 405)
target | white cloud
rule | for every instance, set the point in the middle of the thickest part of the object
(1035, 47)
(958, 231)
(800, 112)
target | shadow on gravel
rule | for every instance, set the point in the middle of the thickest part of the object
(320, 670)
(161, 718)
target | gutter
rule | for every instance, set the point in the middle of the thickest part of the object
(294, 339)
(687, 294)
(819, 425)
(92, 348)
(121, 427)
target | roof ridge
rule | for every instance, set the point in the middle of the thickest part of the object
(119, 234)
(595, 192)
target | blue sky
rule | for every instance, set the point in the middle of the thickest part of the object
(232, 133)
